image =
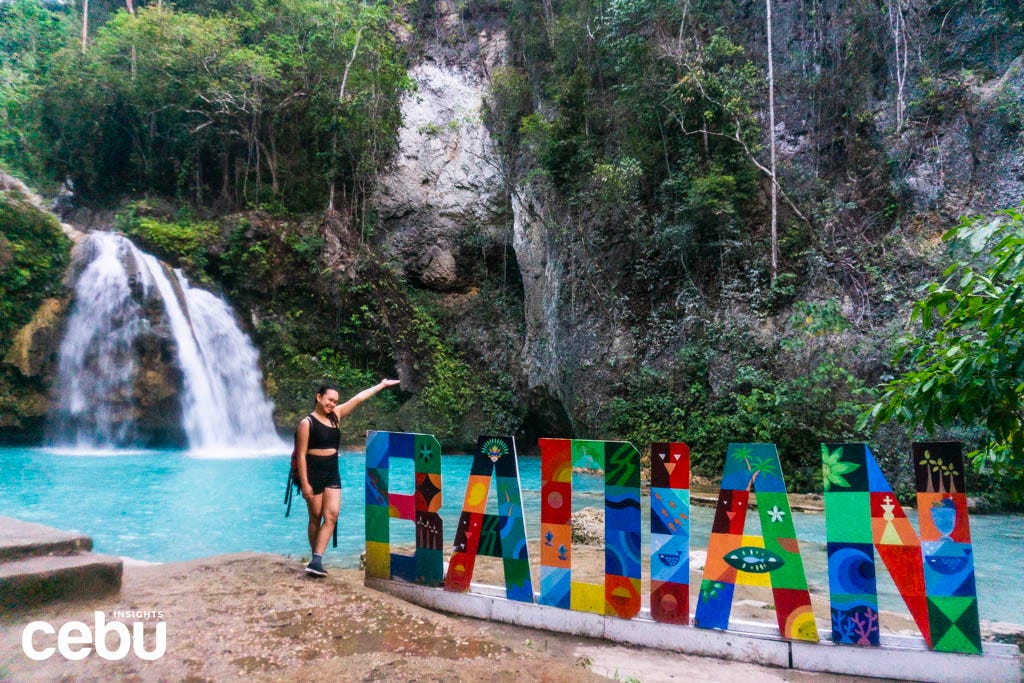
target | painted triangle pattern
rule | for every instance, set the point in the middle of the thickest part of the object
(952, 603)
(670, 533)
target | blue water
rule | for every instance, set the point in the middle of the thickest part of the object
(165, 506)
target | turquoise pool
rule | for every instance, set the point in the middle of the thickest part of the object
(164, 506)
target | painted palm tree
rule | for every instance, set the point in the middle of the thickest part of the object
(755, 464)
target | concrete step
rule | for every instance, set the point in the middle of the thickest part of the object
(38, 580)
(19, 540)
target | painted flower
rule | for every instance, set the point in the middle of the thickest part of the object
(426, 453)
(833, 468)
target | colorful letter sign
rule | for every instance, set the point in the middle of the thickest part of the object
(502, 535)
(946, 546)
(772, 559)
(934, 574)
(670, 533)
(862, 515)
(620, 595)
(422, 507)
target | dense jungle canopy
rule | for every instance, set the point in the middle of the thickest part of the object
(655, 220)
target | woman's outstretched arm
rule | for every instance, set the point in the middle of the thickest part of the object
(350, 405)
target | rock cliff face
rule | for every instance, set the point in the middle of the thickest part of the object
(450, 190)
(34, 349)
(447, 203)
(445, 186)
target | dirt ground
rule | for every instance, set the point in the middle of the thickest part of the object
(257, 616)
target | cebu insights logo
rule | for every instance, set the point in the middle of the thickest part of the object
(74, 638)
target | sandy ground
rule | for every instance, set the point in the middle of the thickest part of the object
(258, 616)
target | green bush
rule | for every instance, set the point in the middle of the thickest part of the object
(33, 256)
(456, 402)
(296, 380)
(184, 243)
(730, 387)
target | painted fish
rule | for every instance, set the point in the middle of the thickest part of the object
(754, 560)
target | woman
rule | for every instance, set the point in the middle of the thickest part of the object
(318, 438)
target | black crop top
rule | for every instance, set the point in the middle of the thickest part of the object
(321, 436)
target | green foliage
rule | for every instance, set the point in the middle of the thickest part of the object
(456, 403)
(729, 387)
(31, 35)
(1009, 105)
(257, 102)
(647, 146)
(967, 362)
(33, 256)
(184, 242)
(508, 101)
(296, 380)
(309, 325)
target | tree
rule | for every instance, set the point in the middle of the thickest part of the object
(272, 101)
(771, 142)
(896, 14)
(31, 34)
(967, 363)
(85, 25)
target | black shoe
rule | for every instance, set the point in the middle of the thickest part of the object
(315, 567)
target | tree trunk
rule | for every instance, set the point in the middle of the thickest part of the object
(85, 25)
(341, 101)
(898, 28)
(134, 58)
(771, 140)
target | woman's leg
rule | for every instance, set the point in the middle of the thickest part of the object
(330, 507)
(315, 507)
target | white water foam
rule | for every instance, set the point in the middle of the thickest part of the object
(224, 410)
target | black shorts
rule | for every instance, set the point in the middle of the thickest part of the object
(322, 472)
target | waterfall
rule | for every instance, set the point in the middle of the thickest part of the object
(96, 354)
(126, 301)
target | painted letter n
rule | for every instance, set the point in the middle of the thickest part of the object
(934, 573)
(620, 594)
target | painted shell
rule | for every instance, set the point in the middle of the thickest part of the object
(754, 560)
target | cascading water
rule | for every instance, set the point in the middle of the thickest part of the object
(96, 354)
(222, 405)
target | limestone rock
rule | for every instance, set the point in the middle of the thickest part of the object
(35, 345)
(437, 268)
(9, 183)
(446, 178)
(588, 526)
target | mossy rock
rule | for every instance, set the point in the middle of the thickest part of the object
(34, 253)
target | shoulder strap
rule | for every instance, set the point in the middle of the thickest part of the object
(308, 417)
